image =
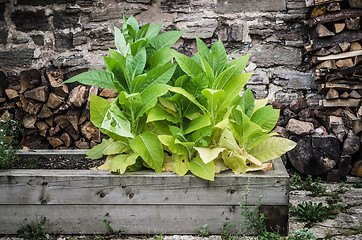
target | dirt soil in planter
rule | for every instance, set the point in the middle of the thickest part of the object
(57, 163)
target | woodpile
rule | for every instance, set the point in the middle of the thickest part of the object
(335, 53)
(53, 115)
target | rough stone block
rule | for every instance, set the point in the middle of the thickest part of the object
(269, 55)
(297, 80)
(258, 90)
(102, 39)
(175, 5)
(285, 97)
(44, 2)
(80, 38)
(227, 6)
(204, 28)
(63, 20)
(27, 20)
(63, 40)
(236, 32)
(16, 58)
(259, 77)
(38, 39)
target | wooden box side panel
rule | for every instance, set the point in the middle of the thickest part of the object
(89, 187)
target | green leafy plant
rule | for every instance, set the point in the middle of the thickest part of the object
(303, 234)
(313, 186)
(312, 212)
(203, 231)
(34, 231)
(176, 113)
(9, 132)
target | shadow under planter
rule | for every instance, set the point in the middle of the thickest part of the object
(143, 202)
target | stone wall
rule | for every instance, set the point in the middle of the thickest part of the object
(75, 34)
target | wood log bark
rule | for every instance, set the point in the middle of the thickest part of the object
(61, 121)
(352, 23)
(344, 46)
(333, 7)
(345, 36)
(345, 95)
(355, 3)
(54, 101)
(322, 31)
(339, 103)
(332, 94)
(338, 27)
(45, 112)
(345, 63)
(55, 142)
(11, 94)
(357, 168)
(66, 139)
(40, 94)
(29, 79)
(73, 116)
(340, 56)
(336, 16)
(355, 46)
(351, 121)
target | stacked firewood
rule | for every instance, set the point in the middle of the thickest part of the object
(52, 115)
(335, 54)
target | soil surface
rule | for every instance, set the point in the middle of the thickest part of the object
(58, 163)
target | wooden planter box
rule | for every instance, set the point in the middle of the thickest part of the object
(77, 201)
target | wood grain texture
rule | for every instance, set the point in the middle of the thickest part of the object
(77, 201)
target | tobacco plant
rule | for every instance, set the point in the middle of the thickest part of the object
(176, 113)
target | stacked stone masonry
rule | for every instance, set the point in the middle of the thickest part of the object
(77, 34)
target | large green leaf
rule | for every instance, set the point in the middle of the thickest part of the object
(96, 152)
(158, 75)
(137, 64)
(149, 147)
(257, 139)
(120, 42)
(266, 117)
(214, 62)
(209, 154)
(161, 57)
(181, 164)
(137, 46)
(208, 71)
(165, 40)
(98, 110)
(120, 162)
(143, 31)
(158, 113)
(169, 141)
(190, 97)
(98, 78)
(226, 76)
(250, 129)
(247, 102)
(201, 169)
(198, 123)
(132, 21)
(117, 69)
(188, 65)
(240, 62)
(153, 31)
(149, 97)
(204, 51)
(233, 88)
(227, 140)
(115, 147)
(213, 97)
(235, 162)
(116, 123)
(272, 148)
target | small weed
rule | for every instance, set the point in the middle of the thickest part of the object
(311, 212)
(158, 237)
(352, 231)
(9, 133)
(303, 234)
(228, 231)
(357, 185)
(314, 187)
(111, 231)
(34, 231)
(203, 231)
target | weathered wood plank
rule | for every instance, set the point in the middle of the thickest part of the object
(336, 16)
(146, 219)
(100, 187)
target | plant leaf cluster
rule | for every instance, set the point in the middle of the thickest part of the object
(178, 113)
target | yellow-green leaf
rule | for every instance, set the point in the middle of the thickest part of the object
(208, 154)
(181, 164)
(201, 169)
(235, 162)
(272, 148)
